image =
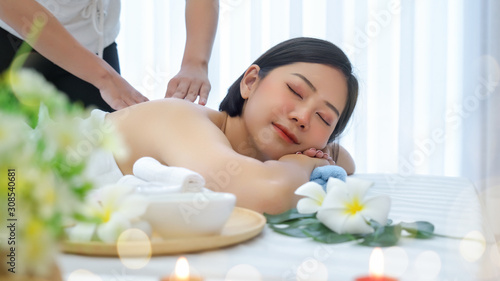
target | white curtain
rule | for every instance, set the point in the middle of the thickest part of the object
(428, 70)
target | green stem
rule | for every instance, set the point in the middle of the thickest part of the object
(20, 57)
(458, 238)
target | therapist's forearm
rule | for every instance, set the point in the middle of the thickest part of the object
(45, 33)
(201, 26)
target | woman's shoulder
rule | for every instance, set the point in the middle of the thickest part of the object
(169, 109)
(165, 130)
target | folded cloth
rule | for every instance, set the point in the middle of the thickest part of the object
(321, 174)
(153, 172)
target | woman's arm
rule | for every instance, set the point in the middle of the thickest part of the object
(46, 34)
(344, 159)
(341, 157)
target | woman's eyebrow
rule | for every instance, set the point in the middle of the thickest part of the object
(331, 106)
(306, 80)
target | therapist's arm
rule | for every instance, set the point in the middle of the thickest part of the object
(45, 33)
(201, 26)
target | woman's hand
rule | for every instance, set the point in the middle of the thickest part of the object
(342, 156)
(315, 153)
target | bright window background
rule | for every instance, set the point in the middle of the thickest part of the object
(428, 71)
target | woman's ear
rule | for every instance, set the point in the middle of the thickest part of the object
(249, 81)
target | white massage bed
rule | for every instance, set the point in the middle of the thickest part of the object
(451, 204)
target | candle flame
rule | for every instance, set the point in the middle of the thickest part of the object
(182, 269)
(376, 264)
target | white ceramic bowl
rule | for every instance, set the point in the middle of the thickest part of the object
(182, 215)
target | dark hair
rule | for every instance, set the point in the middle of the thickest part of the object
(294, 50)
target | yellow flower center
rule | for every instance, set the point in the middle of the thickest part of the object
(106, 214)
(353, 207)
(66, 139)
(34, 230)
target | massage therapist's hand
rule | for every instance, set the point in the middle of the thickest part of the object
(189, 83)
(118, 93)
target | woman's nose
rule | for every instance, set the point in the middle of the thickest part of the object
(301, 118)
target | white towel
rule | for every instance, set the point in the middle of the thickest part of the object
(148, 188)
(163, 178)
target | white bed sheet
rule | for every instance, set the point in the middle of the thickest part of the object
(451, 204)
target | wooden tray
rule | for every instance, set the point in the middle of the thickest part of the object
(242, 225)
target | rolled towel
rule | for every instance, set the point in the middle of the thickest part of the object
(321, 174)
(132, 181)
(150, 170)
(148, 188)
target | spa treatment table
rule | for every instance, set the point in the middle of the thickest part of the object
(451, 204)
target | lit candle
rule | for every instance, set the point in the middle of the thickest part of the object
(181, 272)
(376, 268)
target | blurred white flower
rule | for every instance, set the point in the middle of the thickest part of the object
(45, 149)
(32, 88)
(118, 209)
(58, 135)
(105, 135)
(11, 127)
(344, 208)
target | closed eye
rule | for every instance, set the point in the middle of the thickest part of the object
(323, 119)
(293, 91)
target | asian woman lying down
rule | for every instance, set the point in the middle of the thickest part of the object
(297, 97)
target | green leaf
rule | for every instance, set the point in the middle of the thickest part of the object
(294, 227)
(383, 236)
(317, 229)
(291, 214)
(8, 101)
(289, 231)
(334, 238)
(323, 234)
(375, 224)
(80, 217)
(419, 229)
(301, 222)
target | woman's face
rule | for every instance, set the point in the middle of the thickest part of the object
(293, 108)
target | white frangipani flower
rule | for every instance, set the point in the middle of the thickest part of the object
(344, 208)
(314, 197)
(118, 208)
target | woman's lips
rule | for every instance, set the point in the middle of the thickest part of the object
(285, 134)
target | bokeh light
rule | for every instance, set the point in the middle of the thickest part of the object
(83, 275)
(312, 269)
(396, 261)
(472, 246)
(243, 272)
(428, 265)
(134, 248)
